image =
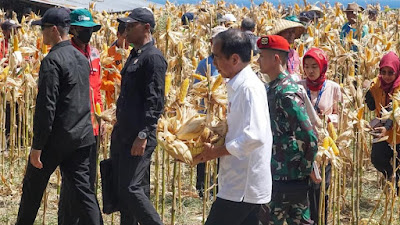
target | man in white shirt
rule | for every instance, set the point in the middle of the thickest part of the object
(244, 178)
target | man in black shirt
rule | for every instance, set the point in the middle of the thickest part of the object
(62, 128)
(139, 106)
(248, 26)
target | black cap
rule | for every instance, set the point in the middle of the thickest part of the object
(9, 24)
(55, 16)
(143, 15)
(187, 17)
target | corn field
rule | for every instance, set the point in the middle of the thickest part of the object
(357, 194)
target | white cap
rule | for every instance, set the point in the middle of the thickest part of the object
(218, 29)
(229, 18)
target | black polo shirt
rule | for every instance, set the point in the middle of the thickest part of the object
(141, 100)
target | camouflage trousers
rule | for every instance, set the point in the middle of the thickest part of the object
(290, 205)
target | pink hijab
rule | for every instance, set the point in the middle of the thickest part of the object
(390, 60)
(322, 59)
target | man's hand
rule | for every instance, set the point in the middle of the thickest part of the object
(381, 130)
(35, 158)
(138, 147)
(314, 178)
(207, 154)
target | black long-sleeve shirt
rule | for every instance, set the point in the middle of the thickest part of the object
(141, 100)
(62, 113)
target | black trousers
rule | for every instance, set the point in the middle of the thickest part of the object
(225, 212)
(68, 214)
(382, 157)
(75, 169)
(314, 195)
(132, 181)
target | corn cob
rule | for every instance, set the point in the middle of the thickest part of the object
(15, 43)
(217, 83)
(301, 50)
(183, 90)
(350, 36)
(352, 71)
(360, 113)
(98, 108)
(333, 146)
(168, 80)
(199, 77)
(325, 143)
(310, 31)
(194, 62)
(389, 44)
(168, 26)
(328, 28)
(332, 131)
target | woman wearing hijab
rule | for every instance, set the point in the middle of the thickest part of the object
(324, 95)
(378, 97)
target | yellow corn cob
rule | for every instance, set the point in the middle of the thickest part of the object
(310, 32)
(371, 30)
(296, 6)
(368, 54)
(15, 43)
(199, 77)
(183, 90)
(262, 21)
(301, 50)
(168, 27)
(22, 30)
(328, 28)
(316, 42)
(360, 113)
(384, 24)
(337, 11)
(389, 44)
(325, 143)
(98, 108)
(194, 62)
(352, 71)
(350, 36)
(333, 146)
(332, 131)
(384, 41)
(180, 48)
(217, 83)
(4, 74)
(168, 80)
(269, 14)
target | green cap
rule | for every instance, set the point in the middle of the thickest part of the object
(83, 18)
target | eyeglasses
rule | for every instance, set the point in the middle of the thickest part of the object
(43, 26)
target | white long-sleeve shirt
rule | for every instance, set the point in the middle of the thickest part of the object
(245, 174)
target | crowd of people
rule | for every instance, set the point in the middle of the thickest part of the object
(267, 173)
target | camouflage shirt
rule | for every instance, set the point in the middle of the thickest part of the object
(294, 142)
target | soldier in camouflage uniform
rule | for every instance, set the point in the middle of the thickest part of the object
(294, 141)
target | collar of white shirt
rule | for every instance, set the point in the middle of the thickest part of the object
(239, 78)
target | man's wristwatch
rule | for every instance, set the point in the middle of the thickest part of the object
(142, 135)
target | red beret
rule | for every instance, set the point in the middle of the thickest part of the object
(273, 42)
